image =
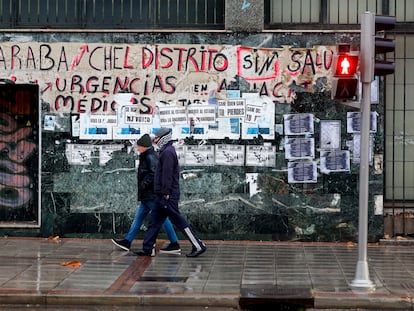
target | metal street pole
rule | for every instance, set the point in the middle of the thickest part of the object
(367, 55)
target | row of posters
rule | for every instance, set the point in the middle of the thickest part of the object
(188, 155)
(236, 117)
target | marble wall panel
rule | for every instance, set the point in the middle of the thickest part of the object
(100, 200)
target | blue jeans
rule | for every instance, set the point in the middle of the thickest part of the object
(142, 211)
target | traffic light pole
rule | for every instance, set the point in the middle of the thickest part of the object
(367, 55)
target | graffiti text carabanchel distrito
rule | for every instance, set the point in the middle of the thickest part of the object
(76, 77)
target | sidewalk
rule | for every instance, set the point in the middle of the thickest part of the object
(74, 272)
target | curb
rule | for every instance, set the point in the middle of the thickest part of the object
(225, 301)
(362, 301)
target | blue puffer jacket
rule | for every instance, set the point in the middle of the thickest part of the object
(167, 174)
(148, 161)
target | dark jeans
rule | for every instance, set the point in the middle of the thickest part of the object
(163, 209)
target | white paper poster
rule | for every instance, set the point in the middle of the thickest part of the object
(335, 161)
(298, 124)
(79, 154)
(299, 148)
(196, 155)
(302, 172)
(105, 152)
(260, 156)
(330, 134)
(231, 155)
(354, 122)
(259, 118)
(97, 126)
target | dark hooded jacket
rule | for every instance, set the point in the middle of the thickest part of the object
(167, 176)
(148, 161)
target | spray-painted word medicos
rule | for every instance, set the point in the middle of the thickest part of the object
(80, 77)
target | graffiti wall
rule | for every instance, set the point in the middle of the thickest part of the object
(265, 153)
(19, 152)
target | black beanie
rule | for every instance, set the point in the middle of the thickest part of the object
(144, 141)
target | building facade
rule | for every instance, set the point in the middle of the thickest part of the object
(265, 152)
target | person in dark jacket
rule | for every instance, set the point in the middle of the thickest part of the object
(148, 161)
(167, 189)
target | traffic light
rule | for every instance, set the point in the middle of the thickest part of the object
(345, 80)
(383, 45)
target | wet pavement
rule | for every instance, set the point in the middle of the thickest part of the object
(89, 274)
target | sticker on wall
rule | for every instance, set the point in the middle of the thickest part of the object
(251, 181)
(49, 123)
(75, 123)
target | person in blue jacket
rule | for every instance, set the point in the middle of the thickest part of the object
(167, 189)
(148, 161)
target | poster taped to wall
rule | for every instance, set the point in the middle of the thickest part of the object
(264, 156)
(353, 124)
(259, 117)
(196, 155)
(231, 108)
(224, 127)
(335, 161)
(231, 155)
(299, 148)
(356, 148)
(105, 152)
(79, 154)
(298, 124)
(302, 172)
(97, 126)
(330, 134)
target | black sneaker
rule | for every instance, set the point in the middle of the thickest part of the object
(196, 252)
(141, 252)
(172, 248)
(124, 244)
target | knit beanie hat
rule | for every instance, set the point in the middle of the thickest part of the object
(162, 132)
(164, 135)
(144, 141)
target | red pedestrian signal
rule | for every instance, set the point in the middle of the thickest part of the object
(345, 80)
(346, 65)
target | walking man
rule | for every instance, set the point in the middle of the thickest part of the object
(148, 160)
(167, 189)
